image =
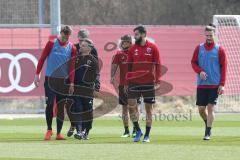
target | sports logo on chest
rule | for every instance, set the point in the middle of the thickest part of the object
(149, 51)
(89, 62)
(123, 58)
(136, 52)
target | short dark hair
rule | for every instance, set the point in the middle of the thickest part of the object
(67, 30)
(210, 27)
(140, 29)
(126, 38)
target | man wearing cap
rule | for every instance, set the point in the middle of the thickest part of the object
(119, 61)
(83, 35)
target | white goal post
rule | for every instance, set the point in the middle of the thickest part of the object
(228, 35)
(31, 14)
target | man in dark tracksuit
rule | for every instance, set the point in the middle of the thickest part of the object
(83, 101)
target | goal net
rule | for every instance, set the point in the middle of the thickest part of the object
(228, 35)
(24, 13)
(25, 26)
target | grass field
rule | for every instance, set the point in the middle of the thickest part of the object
(23, 139)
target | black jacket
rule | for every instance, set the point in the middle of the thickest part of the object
(95, 55)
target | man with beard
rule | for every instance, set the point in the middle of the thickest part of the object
(210, 64)
(119, 61)
(144, 73)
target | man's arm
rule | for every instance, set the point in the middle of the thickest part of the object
(114, 66)
(223, 64)
(130, 59)
(97, 84)
(97, 81)
(194, 61)
(46, 51)
(195, 65)
(223, 67)
(129, 64)
(113, 69)
(72, 64)
(157, 65)
(94, 52)
(72, 69)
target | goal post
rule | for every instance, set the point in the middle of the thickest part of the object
(228, 35)
(25, 26)
(55, 12)
(31, 14)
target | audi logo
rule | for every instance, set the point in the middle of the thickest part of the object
(14, 63)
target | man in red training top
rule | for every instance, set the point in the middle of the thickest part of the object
(209, 62)
(119, 61)
(143, 74)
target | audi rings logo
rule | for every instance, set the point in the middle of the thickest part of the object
(14, 63)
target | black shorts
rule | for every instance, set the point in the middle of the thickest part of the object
(207, 96)
(49, 93)
(123, 96)
(147, 91)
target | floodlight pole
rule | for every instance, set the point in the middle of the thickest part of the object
(55, 14)
(41, 11)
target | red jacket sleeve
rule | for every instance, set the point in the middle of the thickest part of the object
(157, 64)
(194, 61)
(223, 64)
(130, 55)
(46, 51)
(130, 59)
(115, 59)
(72, 64)
(129, 65)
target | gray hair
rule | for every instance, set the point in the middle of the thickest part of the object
(83, 33)
(89, 41)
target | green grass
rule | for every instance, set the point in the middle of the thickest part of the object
(23, 139)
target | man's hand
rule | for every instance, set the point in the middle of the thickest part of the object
(36, 80)
(220, 90)
(203, 75)
(71, 88)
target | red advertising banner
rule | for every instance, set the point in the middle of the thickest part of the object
(176, 45)
(17, 70)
